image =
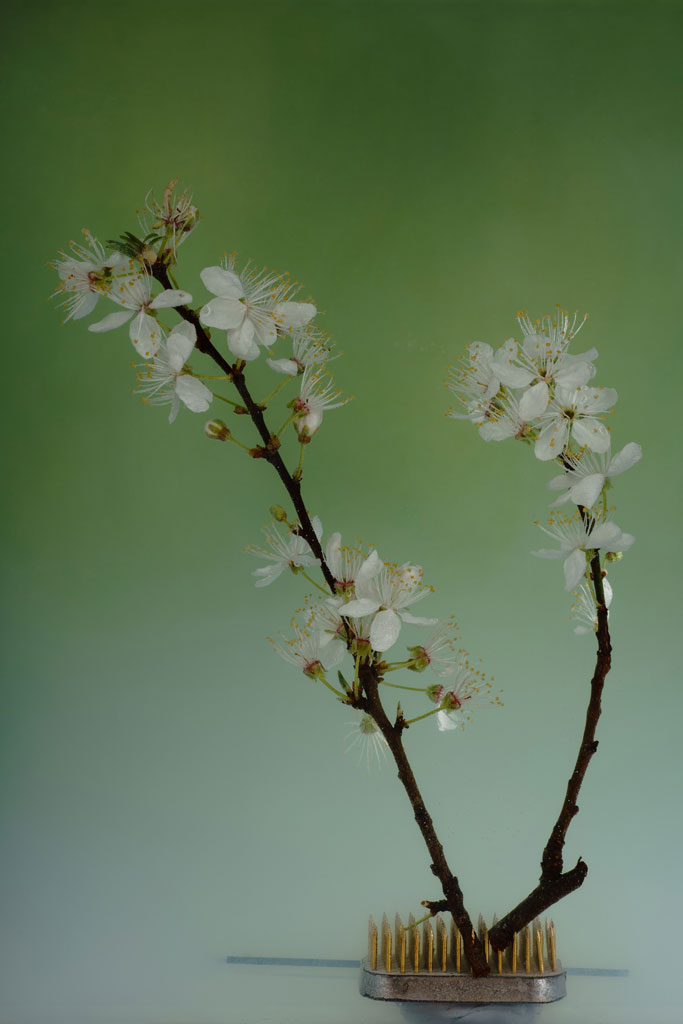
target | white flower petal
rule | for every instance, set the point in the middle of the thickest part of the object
(289, 315)
(574, 568)
(603, 536)
(371, 566)
(574, 375)
(317, 525)
(265, 332)
(175, 406)
(86, 305)
(385, 630)
(332, 652)
(179, 345)
(552, 440)
(241, 341)
(591, 433)
(534, 401)
(192, 393)
(623, 543)
(267, 574)
(447, 720)
(607, 591)
(333, 554)
(170, 298)
(590, 400)
(623, 460)
(416, 620)
(222, 282)
(287, 366)
(587, 491)
(224, 313)
(145, 334)
(358, 608)
(491, 431)
(110, 322)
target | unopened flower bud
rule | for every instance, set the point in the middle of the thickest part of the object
(217, 430)
(278, 513)
(614, 556)
(149, 255)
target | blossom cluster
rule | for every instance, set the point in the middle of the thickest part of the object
(254, 308)
(363, 620)
(537, 391)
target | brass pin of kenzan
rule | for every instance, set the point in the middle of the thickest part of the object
(435, 947)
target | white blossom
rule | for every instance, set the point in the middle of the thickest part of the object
(587, 474)
(466, 690)
(385, 591)
(135, 295)
(310, 347)
(252, 307)
(283, 551)
(439, 652)
(365, 737)
(571, 414)
(584, 609)
(164, 380)
(85, 274)
(578, 536)
(503, 419)
(475, 381)
(317, 394)
(174, 216)
(310, 651)
(346, 563)
(543, 362)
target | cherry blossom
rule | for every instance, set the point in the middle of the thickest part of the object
(135, 295)
(587, 474)
(166, 381)
(579, 536)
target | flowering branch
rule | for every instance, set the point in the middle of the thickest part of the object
(369, 701)
(270, 442)
(535, 392)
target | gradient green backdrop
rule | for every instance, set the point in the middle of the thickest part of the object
(173, 793)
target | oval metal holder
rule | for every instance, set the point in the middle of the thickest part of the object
(425, 963)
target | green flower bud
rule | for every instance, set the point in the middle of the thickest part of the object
(216, 430)
(278, 513)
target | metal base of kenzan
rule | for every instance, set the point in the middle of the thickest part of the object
(414, 964)
(449, 987)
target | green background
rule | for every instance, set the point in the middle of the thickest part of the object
(173, 792)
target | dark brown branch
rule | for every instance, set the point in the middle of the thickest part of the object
(449, 883)
(553, 885)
